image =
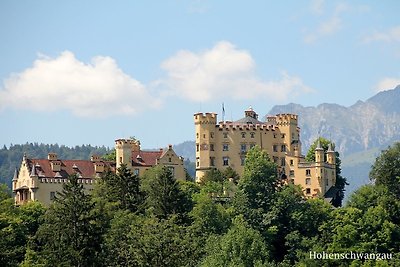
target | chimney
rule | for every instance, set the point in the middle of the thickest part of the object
(95, 158)
(52, 156)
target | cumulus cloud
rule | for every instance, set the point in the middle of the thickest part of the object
(224, 72)
(387, 84)
(389, 36)
(99, 88)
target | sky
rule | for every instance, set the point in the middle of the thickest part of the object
(89, 72)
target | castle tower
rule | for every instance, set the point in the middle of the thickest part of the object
(123, 151)
(288, 125)
(205, 126)
(319, 153)
(331, 156)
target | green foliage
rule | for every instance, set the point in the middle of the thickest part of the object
(213, 175)
(240, 246)
(386, 169)
(17, 226)
(138, 241)
(158, 221)
(121, 188)
(208, 216)
(69, 236)
(111, 156)
(256, 189)
(163, 194)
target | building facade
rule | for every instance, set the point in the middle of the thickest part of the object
(225, 143)
(128, 152)
(40, 179)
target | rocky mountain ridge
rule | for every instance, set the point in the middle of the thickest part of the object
(362, 126)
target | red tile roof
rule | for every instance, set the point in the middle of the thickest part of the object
(83, 167)
(146, 158)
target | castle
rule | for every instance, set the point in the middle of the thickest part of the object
(40, 179)
(223, 144)
(218, 145)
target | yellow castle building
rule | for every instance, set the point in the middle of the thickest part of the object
(41, 179)
(225, 143)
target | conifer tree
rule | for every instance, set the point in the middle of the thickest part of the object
(68, 235)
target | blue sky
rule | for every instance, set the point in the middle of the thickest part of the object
(88, 72)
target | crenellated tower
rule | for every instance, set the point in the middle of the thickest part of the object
(123, 151)
(205, 142)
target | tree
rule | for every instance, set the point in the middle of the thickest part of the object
(230, 173)
(240, 246)
(386, 169)
(68, 235)
(121, 188)
(341, 181)
(163, 194)
(111, 156)
(135, 240)
(260, 179)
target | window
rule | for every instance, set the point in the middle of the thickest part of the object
(197, 135)
(274, 135)
(283, 135)
(275, 148)
(197, 162)
(225, 135)
(225, 147)
(136, 171)
(252, 145)
(308, 191)
(275, 159)
(291, 173)
(120, 159)
(242, 161)
(197, 147)
(169, 159)
(204, 136)
(291, 162)
(211, 147)
(283, 162)
(308, 172)
(52, 195)
(225, 161)
(243, 135)
(327, 182)
(243, 148)
(283, 148)
(212, 161)
(308, 181)
(252, 135)
(212, 135)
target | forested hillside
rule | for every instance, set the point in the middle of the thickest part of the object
(10, 157)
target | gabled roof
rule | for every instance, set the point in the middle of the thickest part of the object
(146, 158)
(84, 168)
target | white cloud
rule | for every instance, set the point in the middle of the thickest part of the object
(328, 26)
(387, 84)
(317, 6)
(224, 72)
(389, 36)
(99, 88)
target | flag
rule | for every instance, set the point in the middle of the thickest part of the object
(223, 112)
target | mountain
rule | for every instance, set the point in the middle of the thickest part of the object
(362, 126)
(360, 131)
